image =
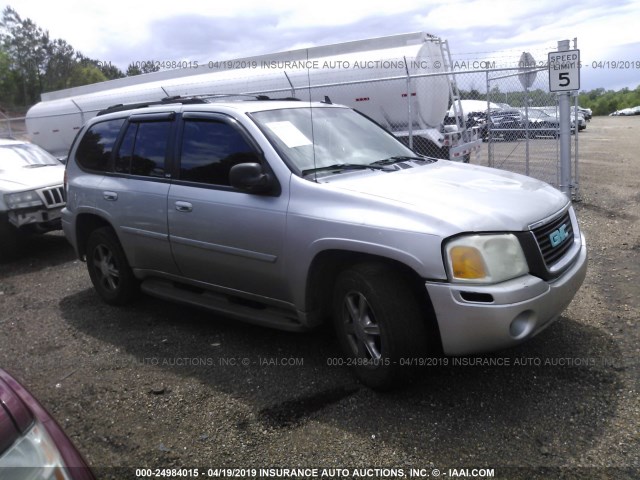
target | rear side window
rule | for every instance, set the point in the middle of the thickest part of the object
(210, 149)
(94, 150)
(143, 149)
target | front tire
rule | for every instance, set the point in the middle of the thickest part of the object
(379, 322)
(109, 269)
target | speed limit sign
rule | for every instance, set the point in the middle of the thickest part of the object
(564, 71)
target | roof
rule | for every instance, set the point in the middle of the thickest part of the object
(239, 106)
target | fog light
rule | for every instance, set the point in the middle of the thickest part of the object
(522, 325)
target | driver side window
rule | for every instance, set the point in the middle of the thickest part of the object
(209, 149)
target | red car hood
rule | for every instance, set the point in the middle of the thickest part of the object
(18, 411)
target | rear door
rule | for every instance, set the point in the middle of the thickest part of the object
(220, 235)
(135, 193)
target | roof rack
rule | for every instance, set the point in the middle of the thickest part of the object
(185, 100)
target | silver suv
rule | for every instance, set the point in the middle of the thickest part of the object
(290, 214)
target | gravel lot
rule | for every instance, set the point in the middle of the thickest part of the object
(159, 385)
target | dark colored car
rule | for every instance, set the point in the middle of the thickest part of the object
(32, 444)
(542, 124)
(506, 124)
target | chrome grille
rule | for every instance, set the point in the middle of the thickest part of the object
(53, 197)
(552, 253)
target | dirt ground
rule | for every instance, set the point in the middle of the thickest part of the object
(159, 385)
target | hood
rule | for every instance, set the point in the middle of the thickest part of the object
(466, 198)
(19, 179)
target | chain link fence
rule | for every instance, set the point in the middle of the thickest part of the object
(12, 127)
(523, 127)
(509, 126)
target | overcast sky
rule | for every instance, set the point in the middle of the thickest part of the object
(120, 31)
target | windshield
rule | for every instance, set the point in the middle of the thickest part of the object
(25, 155)
(340, 136)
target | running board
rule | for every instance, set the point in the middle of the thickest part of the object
(233, 307)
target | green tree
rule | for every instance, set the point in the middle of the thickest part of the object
(603, 102)
(32, 63)
(8, 82)
(61, 62)
(472, 94)
(111, 72)
(84, 75)
(27, 46)
(133, 70)
(140, 68)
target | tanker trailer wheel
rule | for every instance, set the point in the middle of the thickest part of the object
(379, 323)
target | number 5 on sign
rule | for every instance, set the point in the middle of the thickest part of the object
(564, 71)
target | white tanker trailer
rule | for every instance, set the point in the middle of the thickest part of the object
(397, 81)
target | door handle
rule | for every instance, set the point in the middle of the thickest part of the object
(111, 196)
(184, 206)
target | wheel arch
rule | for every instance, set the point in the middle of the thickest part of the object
(85, 224)
(328, 264)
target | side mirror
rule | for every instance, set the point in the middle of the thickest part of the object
(251, 178)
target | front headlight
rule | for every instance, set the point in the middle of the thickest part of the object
(33, 456)
(22, 200)
(485, 258)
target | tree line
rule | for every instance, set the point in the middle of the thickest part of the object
(31, 62)
(604, 102)
(599, 100)
(516, 99)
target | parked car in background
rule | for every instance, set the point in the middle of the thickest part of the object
(31, 193)
(505, 123)
(625, 112)
(474, 116)
(586, 112)
(540, 123)
(550, 118)
(581, 121)
(32, 444)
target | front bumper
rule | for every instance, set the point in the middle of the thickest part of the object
(38, 217)
(479, 318)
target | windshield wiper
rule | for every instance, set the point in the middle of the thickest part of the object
(346, 166)
(400, 158)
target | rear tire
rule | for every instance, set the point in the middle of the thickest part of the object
(379, 322)
(109, 269)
